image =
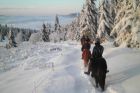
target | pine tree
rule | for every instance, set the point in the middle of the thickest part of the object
(46, 33)
(0, 37)
(5, 31)
(36, 37)
(113, 9)
(88, 19)
(57, 25)
(136, 4)
(19, 37)
(0, 33)
(73, 29)
(105, 21)
(12, 42)
(126, 29)
(71, 33)
(57, 28)
(77, 28)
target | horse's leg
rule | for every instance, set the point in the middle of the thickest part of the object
(93, 72)
(102, 81)
(96, 75)
(96, 80)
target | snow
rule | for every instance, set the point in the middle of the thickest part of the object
(105, 21)
(36, 37)
(58, 68)
(131, 86)
(126, 26)
(54, 37)
(19, 38)
(88, 19)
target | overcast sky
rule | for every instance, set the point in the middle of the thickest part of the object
(39, 7)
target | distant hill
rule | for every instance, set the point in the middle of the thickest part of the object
(71, 15)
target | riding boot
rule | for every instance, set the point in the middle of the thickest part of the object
(87, 73)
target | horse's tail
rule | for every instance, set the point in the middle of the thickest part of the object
(101, 77)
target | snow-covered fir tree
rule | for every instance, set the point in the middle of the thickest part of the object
(56, 35)
(113, 9)
(46, 33)
(70, 32)
(36, 37)
(88, 19)
(12, 42)
(105, 21)
(20, 34)
(63, 34)
(73, 29)
(127, 24)
(136, 4)
(0, 33)
(19, 37)
(57, 24)
(4, 32)
(0, 37)
(77, 28)
(58, 28)
(26, 34)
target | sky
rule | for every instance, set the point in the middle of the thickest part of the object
(40, 7)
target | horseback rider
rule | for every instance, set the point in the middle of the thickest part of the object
(97, 50)
(98, 65)
(86, 52)
(96, 53)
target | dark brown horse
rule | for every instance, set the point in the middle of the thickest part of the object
(99, 70)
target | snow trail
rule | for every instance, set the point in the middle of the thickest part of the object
(48, 68)
(69, 75)
(58, 68)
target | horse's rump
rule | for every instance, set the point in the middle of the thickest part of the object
(99, 71)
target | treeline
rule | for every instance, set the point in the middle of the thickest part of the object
(115, 20)
(14, 35)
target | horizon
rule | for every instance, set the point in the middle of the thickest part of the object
(39, 8)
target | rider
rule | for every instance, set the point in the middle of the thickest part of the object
(98, 49)
(96, 53)
(86, 52)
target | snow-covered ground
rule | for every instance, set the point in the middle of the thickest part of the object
(58, 68)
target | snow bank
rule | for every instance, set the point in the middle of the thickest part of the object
(36, 37)
(123, 65)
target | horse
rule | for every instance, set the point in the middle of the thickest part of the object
(98, 71)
